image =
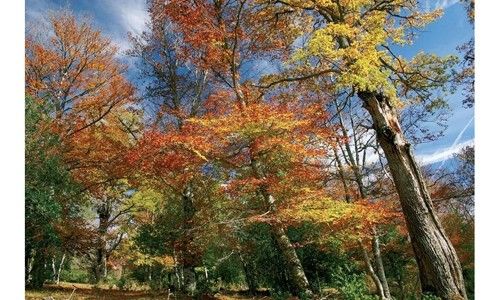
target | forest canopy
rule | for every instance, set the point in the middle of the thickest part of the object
(196, 176)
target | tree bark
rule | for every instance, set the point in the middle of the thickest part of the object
(439, 267)
(342, 176)
(54, 270)
(189, 285)
(101, 251)
(298, 279)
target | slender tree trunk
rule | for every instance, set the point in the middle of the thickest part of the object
(380, 265)
(439, 267)
(176, 269)
(54, 270)
(101, 251)
(372, 273)
(60, 268)
(188, 254)
(353, 162)
(189, 286)
(379, 276)
(342, 176)
(30, 256)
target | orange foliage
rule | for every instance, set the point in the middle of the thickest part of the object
(77, 74)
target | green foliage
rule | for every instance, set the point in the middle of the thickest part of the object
(428, 296)
(48, 183)
(352, 286)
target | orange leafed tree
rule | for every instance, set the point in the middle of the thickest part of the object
(76, 72)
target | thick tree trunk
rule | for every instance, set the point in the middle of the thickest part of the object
(439, 267)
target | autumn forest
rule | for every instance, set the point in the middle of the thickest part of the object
(245, 149)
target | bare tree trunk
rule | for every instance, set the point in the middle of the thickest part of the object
(440, 270)
(372, 273)
(54, 271)
(101, 251)
(176, 269)
(189, 286)
(30, 257)
(380, 264)
(353, 163)
(60, 268)
(379, 276)
(342, 176)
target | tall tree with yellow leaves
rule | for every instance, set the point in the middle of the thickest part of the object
(351, 41)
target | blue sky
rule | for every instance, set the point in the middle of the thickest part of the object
(117, 17)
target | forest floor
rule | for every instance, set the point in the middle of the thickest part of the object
(78, 291)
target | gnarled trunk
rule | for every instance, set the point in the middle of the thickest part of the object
(439, 267)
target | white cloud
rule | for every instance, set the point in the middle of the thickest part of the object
(440, 4)
(128, 16)
(132, 14)
(443, 154)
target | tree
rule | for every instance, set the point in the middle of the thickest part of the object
(216, 36)
(352, 44)
(49, 193)
(466, 75)
(74, 74)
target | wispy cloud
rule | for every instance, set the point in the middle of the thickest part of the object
(442, 156)
(124, 16)
(440, 4)
(131, 14)
(115, 18)
(128, 16)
